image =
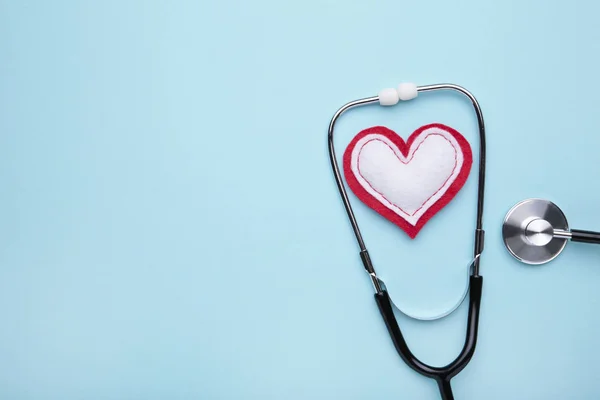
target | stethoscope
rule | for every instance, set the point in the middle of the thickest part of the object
(442, 375)
(535, 231)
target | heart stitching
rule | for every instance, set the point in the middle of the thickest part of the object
(407, 182)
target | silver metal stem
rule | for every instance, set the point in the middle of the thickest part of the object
(562, 234)
(376, 282)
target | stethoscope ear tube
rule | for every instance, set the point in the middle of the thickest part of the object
(441, 375)
(479, 232)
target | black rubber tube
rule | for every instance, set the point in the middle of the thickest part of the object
(445, 389)
(441, 375)
(578, 235)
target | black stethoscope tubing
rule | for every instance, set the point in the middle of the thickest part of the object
(442, 375)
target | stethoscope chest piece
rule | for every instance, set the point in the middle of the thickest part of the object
(532, 231)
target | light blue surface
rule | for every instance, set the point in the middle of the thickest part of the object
(170, 228)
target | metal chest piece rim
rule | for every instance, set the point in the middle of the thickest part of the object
(529, 230)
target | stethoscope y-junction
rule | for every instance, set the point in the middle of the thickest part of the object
(442, 375)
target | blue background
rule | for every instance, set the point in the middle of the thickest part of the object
(170, 228)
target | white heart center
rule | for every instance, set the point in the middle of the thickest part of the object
(408, 185)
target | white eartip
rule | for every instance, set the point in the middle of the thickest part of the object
(407, 91)
(388, 97)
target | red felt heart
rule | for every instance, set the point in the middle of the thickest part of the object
(407, 182)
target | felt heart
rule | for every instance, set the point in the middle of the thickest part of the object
(407, 183)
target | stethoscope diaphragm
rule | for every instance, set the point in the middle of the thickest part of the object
(529, 231)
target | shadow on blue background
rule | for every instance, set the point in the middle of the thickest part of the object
(170, 226)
